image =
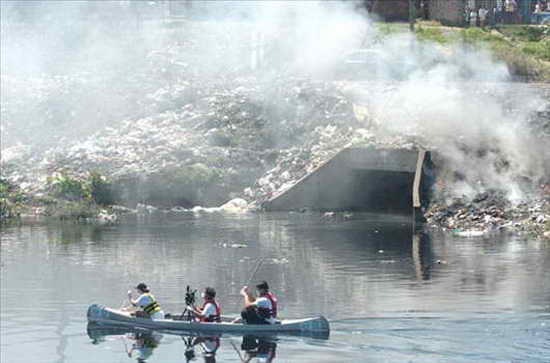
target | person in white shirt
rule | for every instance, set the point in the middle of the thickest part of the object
(210, 312)
(510, 7)
(260, 310)
(498, 11)
(149, 306)
(482, 13)
(473, 18)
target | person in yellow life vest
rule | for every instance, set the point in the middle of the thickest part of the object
(150, 308)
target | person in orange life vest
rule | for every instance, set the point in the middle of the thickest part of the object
(210, 312)
(260, 310)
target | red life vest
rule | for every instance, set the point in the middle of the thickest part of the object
(216, 318)
(269, 313)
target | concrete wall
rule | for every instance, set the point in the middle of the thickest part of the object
(449, 12)
(390, 10)
(359, 179)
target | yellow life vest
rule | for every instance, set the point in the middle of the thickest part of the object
(152, 307)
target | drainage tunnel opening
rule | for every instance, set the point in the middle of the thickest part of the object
(382, 191)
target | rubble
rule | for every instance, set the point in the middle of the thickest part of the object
(491, 212)
(219, 144)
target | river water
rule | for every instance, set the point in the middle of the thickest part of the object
(390, 295)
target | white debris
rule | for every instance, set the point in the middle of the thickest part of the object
(237, 205)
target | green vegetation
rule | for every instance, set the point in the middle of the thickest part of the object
(184, 186)
(71, 197)
(101, 190)
(69, 188)
(525, 32)
(524, 48)
(391, 28)
(478, 35)
(539, 49)
(11, 200)
(431, 34)
(94, 189)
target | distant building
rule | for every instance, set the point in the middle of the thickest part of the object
(448, 12)
(389, 10)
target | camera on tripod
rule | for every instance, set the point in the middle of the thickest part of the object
(189, 305)
(190, 297)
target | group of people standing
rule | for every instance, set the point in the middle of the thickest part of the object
(541, 6)
(260, 309)
(477, 17)
(504, 12)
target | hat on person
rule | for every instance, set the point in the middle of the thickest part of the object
(263, 285)
(142, 287)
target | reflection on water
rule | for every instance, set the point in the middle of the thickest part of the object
(142, 345)
(208, 347)
(139, 344)
(390, 294)
(261, 348)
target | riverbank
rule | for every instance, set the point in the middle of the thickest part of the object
(525, 49)
(190, 138)
(221, 147)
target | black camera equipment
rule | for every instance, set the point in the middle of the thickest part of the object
(189, 301)
(190, 296)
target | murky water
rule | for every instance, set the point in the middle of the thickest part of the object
(390, 295)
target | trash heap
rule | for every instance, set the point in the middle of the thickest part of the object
(225, 136)
(202, 130)
(491, 212)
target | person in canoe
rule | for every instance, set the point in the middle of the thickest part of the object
(210, 312)
(260, 310)
(149, 306)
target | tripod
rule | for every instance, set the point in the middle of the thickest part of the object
(187, 315)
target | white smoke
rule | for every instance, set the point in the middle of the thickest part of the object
(457, 101)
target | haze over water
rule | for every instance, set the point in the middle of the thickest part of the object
(390, 295)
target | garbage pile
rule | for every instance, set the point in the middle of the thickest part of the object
(490, 212)
(224, 135)
(196, 129)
